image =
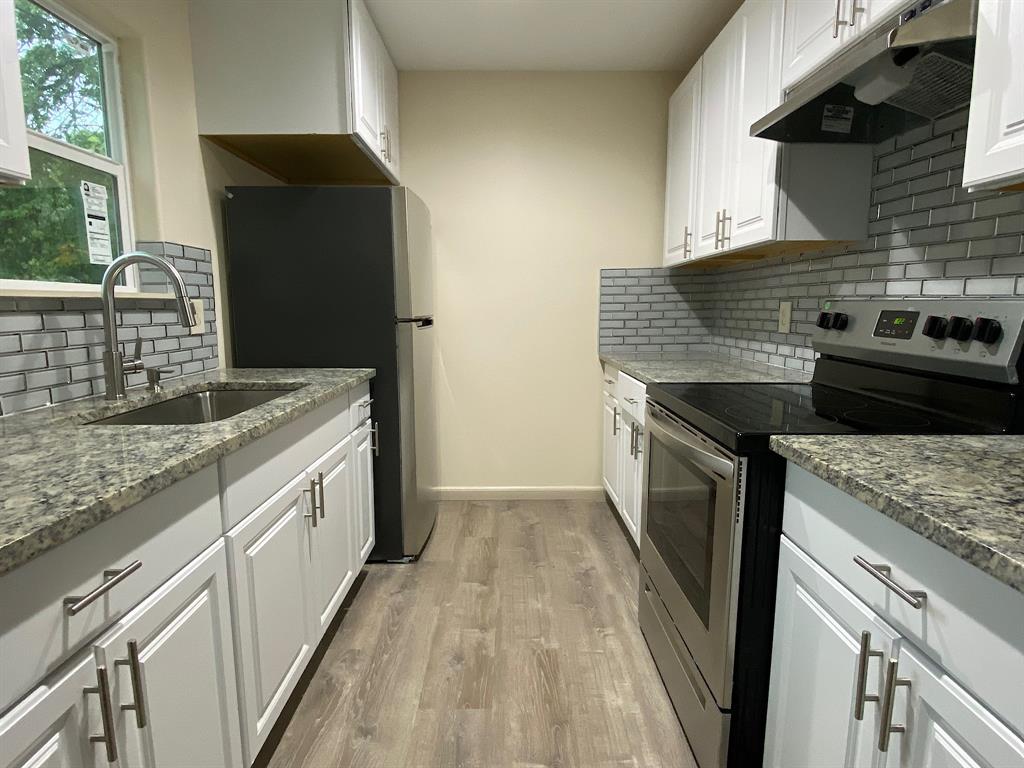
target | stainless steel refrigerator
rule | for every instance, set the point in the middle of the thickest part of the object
(342, 277)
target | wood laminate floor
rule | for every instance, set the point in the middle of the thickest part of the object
(512, 642)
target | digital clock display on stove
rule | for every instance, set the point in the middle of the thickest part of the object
(894, 324)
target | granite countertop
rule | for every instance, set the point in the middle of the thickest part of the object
(60, 476)
(700, 367)
(965, 493)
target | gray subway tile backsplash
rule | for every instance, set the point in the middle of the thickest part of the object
(51, 348)
(929, 237)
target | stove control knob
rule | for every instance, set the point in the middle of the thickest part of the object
(960, 328)
(987, 330)
(840, 321)
(935, 327)
(824, 320)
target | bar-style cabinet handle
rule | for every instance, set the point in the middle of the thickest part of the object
(312, 501)
(138, 704)
(320, 482)
(615, 420)
(914, 598)
(107, 738)
(863, 662)
(892, 682)
(75, 604)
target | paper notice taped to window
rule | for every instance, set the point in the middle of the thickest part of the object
(837, 118)
(97, 223)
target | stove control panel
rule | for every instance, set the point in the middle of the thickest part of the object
(980, 339)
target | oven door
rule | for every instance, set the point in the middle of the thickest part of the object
(692, 510)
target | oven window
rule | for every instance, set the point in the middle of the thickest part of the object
(681, 522)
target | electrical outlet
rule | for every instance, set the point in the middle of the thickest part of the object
(785, 316)
(200, 325)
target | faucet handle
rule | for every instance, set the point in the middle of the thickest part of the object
(153, 377)
(134, 363)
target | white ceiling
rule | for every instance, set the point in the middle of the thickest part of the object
(549, 34)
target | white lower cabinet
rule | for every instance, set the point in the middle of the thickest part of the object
(51, 727)
(623, 404)
(815, 670)
(364, 438)
(610, 426)
(856, 678)
(334, 537)
(271, 560)
(172, 672)
(631, 470)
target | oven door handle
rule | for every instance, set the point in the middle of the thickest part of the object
(667, 431)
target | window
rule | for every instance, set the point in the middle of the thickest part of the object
(61, 229)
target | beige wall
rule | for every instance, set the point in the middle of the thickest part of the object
(176, 178)
(535, 181)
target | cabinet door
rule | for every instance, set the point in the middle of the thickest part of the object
(750, 215)
(866, 15)
(995, 133)
(814, 676)
(628, 508)
(364, 493)
(611, 426)
(716, 128)
(182, 632)
(945, 725)
(366, 77)
(50, 728)
(638, 484)
(812, 33)
(334, 547)
(681, 168)
(389, 107)
(13, 139)
(270, 559)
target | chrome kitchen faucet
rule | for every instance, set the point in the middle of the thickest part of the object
(115, 366)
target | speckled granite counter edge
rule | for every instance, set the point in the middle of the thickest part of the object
(64, 527)
(752, 371)
(983, 557)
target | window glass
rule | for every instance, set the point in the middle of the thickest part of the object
(42, 224)
(61, 79)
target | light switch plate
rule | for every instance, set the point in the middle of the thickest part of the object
(200, 326)
(785, 316)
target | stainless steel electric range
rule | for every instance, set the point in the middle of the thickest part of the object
(713, 491)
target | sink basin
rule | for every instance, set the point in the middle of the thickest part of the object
(197, 407)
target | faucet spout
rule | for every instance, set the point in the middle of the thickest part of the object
(114, 364)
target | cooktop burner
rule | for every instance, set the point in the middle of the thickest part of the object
(746, 415)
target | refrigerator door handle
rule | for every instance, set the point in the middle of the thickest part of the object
(421, 321)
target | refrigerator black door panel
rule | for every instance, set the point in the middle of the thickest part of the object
(311, 283)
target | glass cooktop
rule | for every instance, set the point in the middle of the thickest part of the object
(744, 416)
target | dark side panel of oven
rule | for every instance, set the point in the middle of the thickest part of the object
(759, 566)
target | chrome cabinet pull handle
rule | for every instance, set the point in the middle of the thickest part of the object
(375, 431)
(892, 682)
(366, 404)
(636, 441)
(320, 482)
(138, 695)
(615, 421)
(107, 738)
(632, 439)
(630, 400)
(725, 218)
(914, 598)
(111, 578)
(863, 661)
(686, 242)
(718, 227)
(312, 502)
(836, 22)
(384, 139)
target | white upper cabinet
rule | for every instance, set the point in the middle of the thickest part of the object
(755, 92)
(995, 134)
(681, 171)
(812, 33)
(716, 130)
(14, 166)
(292, 86)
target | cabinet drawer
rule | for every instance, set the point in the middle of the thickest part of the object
(360, 405)
(164, 531)
(969, 624)
(609, 380)
(632, 396)
(259, 470)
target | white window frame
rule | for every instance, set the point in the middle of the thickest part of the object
(115, 165)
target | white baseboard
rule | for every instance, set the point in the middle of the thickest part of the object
(519, 493)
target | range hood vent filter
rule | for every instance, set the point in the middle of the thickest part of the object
(940, 85)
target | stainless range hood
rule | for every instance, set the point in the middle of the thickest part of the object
(912, 70)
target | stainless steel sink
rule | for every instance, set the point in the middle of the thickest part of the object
(197, 407)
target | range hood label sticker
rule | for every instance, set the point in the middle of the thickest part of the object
(837, 118)
(97, 223)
